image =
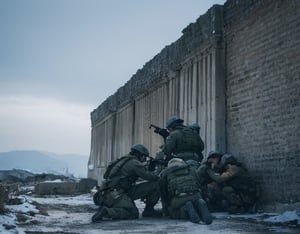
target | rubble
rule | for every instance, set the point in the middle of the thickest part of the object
(3, 198)
(59, 187)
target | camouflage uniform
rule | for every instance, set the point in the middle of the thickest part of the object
(237, 187)
(210, 190)
(119, 190)
(183, 143)
(180, 193)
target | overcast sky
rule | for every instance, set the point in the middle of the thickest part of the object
(60, 59)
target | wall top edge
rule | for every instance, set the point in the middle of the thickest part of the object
(165, 66)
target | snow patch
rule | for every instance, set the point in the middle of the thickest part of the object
(83, 199)
(25, 207)
(53, 181)
(8, 219)
(286, 217)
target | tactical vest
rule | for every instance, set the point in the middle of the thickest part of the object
(190, 141)
(181, 181)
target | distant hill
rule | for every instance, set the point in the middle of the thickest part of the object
(77, 164)
(47, 162)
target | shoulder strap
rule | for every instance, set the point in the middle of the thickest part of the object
(115, 166)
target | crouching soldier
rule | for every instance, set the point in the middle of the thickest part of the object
(180, 193)
(117, 194)
(239, 189)
(210, 190)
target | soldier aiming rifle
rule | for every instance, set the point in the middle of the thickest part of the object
(161, 131)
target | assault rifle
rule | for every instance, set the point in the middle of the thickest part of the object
(161, 131)
(155, 162)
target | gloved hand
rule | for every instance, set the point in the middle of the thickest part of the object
(203, 168)
(152, 164)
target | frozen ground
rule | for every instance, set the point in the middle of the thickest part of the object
(73, 215)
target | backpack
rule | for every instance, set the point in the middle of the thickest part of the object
(115, 166)
(190, 142)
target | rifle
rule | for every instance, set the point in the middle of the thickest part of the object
(155, 162)
(161, 131)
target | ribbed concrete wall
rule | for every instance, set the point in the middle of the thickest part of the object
(235, 71)
(186, 79)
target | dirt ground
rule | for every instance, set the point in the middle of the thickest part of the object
(72, 214)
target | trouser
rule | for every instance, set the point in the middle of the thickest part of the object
(120, 205)
(214, 197)
(147, 191)
(238, 198)
(176, 208)
(121, 208)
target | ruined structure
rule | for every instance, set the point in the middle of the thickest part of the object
(235, 71)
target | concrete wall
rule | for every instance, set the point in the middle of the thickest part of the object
(263, 92)
(65, 187)
(186, 79)
(235, 71)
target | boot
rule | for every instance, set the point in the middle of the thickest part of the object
(150, 212)
(203, 211)
(252, 209)
(194, 217)
(225, 204)
(99, 214)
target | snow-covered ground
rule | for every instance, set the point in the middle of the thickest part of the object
(72, 214)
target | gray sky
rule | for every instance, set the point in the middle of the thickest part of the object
(60, 59)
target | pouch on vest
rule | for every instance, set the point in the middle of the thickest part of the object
(182, 181)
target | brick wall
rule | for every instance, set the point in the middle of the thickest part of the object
(263, 92)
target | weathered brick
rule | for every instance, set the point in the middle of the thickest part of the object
(263, 92)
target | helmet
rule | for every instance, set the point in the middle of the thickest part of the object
(176, 162)
(173, 121)
(214, 154)
(227, 158)
(140, 149)
(195, 127)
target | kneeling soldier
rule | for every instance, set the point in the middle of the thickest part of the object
(180, 193)
(117, 194)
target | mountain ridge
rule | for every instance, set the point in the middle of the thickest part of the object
(42, 161)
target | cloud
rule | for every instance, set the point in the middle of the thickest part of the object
(29, 122)
(57, 54)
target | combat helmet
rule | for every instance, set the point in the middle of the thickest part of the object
(195, 127)
(176, 162)
(139, 149)
(227, 158)
(173, 122)
(214, 154)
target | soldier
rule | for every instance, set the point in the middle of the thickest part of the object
(210, 190)
(195, 127)
(180, 193)
(182, 142)
(118, 192)
(238, 188)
